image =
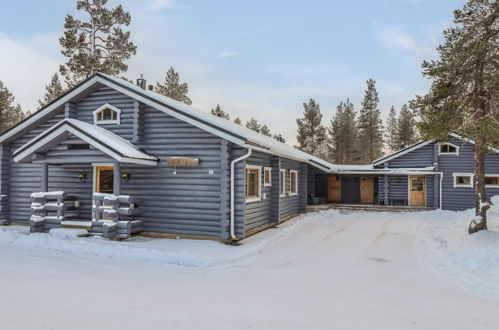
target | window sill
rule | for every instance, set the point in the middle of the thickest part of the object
(253, 200)
(267, 185)
(467, 186)
(293, 194)
(107, 122)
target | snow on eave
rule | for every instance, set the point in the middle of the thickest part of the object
(104, 140)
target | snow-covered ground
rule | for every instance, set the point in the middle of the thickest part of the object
(340, 270)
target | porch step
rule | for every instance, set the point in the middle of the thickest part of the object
(76, 224)
(69, 232)
(367, 207)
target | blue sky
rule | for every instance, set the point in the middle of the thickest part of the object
(255, 58)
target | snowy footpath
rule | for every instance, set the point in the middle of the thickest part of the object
(324, 270)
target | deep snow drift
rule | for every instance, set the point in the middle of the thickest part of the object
(347, 270)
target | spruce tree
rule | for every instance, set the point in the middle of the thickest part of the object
(465, 89)
(311, 135)
(220, 113)
(406, 130)
(279, 138)
(343, 135)
(52, 91)
(265, 130)
(238, 121)
(253, 124)
(173, 88)
(391, 133)
(370, 125)
(10, 113)
(98, 44)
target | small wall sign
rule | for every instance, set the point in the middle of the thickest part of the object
(182, 161)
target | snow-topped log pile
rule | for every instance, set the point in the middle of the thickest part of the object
(4, 210)
(113, 215)
(49, 209)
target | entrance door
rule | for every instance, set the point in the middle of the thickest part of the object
(350, 189)
(417, 188)
(104, 179)
(334, 189)
(367, 190)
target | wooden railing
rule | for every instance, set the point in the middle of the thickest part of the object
(114, 216)
(50, 209)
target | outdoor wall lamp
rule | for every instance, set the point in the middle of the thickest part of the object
(125, 177)
(82, 177)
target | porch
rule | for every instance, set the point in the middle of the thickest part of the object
(366, 207)
(81, 177)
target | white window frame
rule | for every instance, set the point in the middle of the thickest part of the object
(259, 177)
(107, 122)
(296, 183)
(455, 175)
(491, 185)
(448, 153)
(267, 169)
(283, 192)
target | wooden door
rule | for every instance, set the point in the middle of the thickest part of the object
(104, 179)
(367, 190)
(334, 189)
(417, 190)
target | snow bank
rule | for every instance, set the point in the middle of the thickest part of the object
(471, 261)
(190, 253)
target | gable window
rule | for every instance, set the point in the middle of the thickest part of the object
(492, 181)
(293, 182)
(267, 177)
(107, 114)
(282, 183)
(253, 188)
(448, 149)
(463, 180)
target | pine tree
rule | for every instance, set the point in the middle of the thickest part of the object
(52, 91)
(279, 138)
(253, 124)
(10, 113)
(391, 133)
(406, 132)
(173, 88)
(370, 124)
(343, 135)
(96, 45)
(465, 89)
(311, 135)
(238, 121)
(265, 130)
(220, 113)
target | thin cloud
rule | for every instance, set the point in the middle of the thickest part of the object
(227, 53)
(157, 5)
(394, 37)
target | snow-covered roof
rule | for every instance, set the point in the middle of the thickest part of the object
(221, 127)
(106, 141)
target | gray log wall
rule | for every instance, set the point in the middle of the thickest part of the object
(4, 183)
(186, 200)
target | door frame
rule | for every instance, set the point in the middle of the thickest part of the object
(409, 190)
(95, 166)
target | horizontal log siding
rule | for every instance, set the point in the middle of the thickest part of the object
(189, 201)
(4, 182)
(259, 213)
(26, 178)
(103, 95)
(457, 199)
(397, 189)
(291, 204)
(422, 157)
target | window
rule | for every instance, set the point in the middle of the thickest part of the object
(463, 180)
(282, 183)
(293, 182)
(448, 149)
(267, 177)
(492, 181)
(107, 114)
(253, 189)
